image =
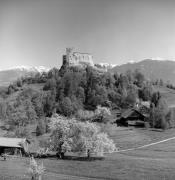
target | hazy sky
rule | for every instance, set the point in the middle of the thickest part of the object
(36, 32)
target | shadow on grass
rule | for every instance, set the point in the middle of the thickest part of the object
(77, 158)
(157, 130)
(2, 160)
(73, 158)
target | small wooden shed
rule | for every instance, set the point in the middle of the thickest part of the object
(21, 144)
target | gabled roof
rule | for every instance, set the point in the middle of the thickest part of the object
(144, 111)
(127, 113)
(12, 142)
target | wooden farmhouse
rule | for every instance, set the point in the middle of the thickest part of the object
(14, 145)
(134, 116)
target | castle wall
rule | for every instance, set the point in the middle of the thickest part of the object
(78, 59)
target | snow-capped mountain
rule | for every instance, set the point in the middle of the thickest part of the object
(9, 75)
(39, 69)
(106, 65)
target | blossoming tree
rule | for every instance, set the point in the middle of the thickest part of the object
(76, 136)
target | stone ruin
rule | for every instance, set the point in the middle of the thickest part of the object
(73, 58)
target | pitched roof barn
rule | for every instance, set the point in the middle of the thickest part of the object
(13, 142)
(21, 143)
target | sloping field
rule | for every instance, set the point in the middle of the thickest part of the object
(118, 166)
(152, 163)
(129, 137)
(164, 150)
(168, 94)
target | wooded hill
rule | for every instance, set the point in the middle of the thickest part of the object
(72, 92)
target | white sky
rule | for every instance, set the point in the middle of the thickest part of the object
(36, 32)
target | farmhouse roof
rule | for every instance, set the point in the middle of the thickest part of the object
(144, 111)
(127, 113)
(12, 142)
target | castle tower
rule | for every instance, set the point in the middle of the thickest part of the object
(69, 53)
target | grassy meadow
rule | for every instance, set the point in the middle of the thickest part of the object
(151, 163)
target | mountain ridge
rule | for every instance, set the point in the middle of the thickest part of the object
(11, 74)
(152, 69)
(28, 68)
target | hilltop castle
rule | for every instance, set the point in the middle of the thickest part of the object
(77, 59)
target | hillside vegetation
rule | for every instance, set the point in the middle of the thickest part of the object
(152, 69)
(167, 93)
(87, 101)
(83, 93)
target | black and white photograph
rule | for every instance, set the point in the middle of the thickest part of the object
(87, 89)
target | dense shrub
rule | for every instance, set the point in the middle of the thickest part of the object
(159, 113)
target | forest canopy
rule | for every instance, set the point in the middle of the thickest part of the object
(85, 93)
